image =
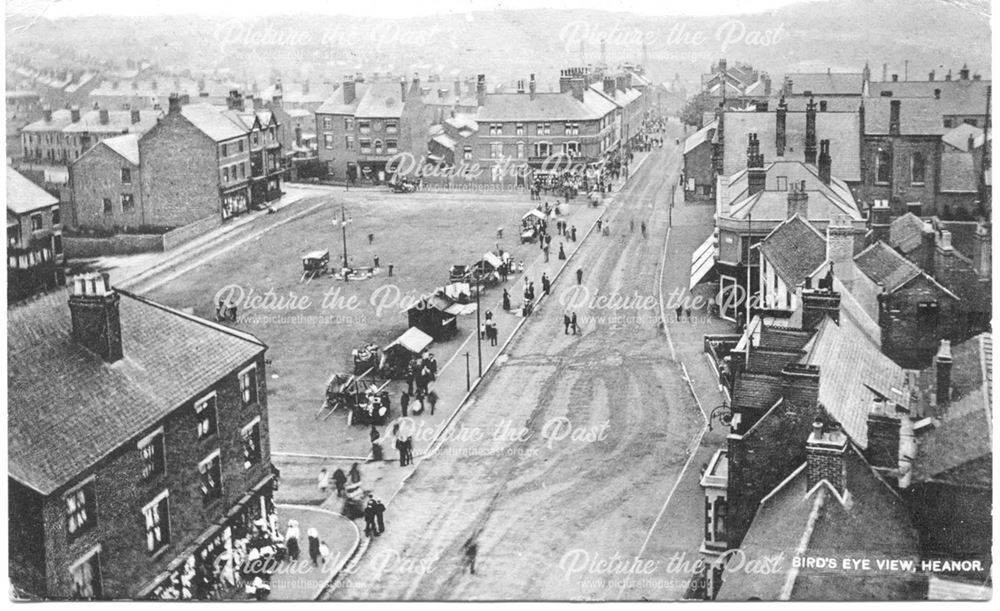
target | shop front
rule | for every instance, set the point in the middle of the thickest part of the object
(235, 202)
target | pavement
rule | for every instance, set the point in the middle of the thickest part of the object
(568, 448)
(301, 580)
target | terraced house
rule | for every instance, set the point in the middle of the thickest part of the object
(62, 136)
(139, 445)
(34, 237)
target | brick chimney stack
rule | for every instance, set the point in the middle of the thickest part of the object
(578, 84)
(798, 200)
(95, 314)
(894, 112)
(402, 89)
(928, 247)
(136, 116)
(481, 89)
(840, 247)
(779, 128)
(350, 89)
(74, 114)
(103, 116)
(984, 251)
(825, 162)
(942, 377)
(235, 101)
(756, 175)
(883, 436)
(810, 152)
(532, 87)
(817, 305)
(880, 219)
(47, 113)
(173, 103)
(826, 452)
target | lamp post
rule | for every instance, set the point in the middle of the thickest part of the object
(468, 381)
(723, 413)
(343, 229)
(479, 327)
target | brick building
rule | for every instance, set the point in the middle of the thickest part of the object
(197, 162)
(369, 124)
(34, 237)
(61, 136)
(138, 445)
(23, 108)
(699, 173)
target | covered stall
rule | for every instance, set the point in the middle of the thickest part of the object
(396, 356)
(430, 316)
(529, 225)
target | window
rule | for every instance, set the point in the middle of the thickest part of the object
(36, 221)
(364, 126)
(211, 478)
(239, 146)
(151, 450)
(539, 129)
(248, 385)
(519, 129)
(56, 215)
(225, 175)
(391, 127)
(917, 168)
(496, 129)
(547, 128)
(255, 138)
(225, 150)
(972, 122)
(86, 575)
(366, 146)
(206, 414)
(496, 150)
(328, 141)
(782, 183)
(883, 166)
(378, 147)
(573, 148)
(126, 176)
(327, 123)
(948, 122)
(391, 146)
(107, 206)
(927, 313)
(157, 517)
(572, 129)
(349, 124)
(243, 170)
(128, 202)
(543, 149)
(467, 153)
(348, 143)
(81, 512)
(57, 246)
(520, 150)
(251, 443)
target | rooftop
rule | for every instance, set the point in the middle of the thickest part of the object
(824, 83)
(68, 408)
(126, 145)
(826, 201)
(795, 249)
(24, 196)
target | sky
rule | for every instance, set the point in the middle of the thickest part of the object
(391, 8)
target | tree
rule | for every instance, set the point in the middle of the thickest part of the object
(695, 107)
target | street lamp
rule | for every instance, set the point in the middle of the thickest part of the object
(343, 228)
(723, 413)
(479, 326)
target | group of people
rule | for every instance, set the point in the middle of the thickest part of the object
(569, 322)
(374, 517)
(420, 372)
(318, 550)
(339, 479)
(404, 445)
(488, 331)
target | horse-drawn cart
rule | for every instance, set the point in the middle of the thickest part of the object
(363, 396)
(314, 264)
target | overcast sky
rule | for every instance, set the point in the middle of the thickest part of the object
(387, 8)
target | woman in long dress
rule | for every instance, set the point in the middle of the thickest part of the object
(292, 540)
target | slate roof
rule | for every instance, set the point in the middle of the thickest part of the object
(24, 196)
(959, 137)
(825, 83)
(334, 105)
(118, 121)
(795, 249)
(840, 128)
(704, 134)
(873, 524)
(126, 145)
(547, 106)
(958, 173)
(825, 201)
(885, 266)
(380, 101)
(60, 119)
(853, 371)
(216, 122)
(964, 434)
(68, 408)
(906, 231)
(958, 97)
(917, 116)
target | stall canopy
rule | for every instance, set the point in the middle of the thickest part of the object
(413, 340)
(538, 214)
(316, 255)
(493, 260)
(702, 261)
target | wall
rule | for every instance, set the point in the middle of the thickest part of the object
(900, 190)
(126, 565)
(98, 175)
(698, 166)
(907, 340)
(338, 156)
(180, 181)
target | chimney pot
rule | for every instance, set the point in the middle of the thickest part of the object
(942, 371)
(135, 116)
(104, 116)
(95, 314)
(74, 114)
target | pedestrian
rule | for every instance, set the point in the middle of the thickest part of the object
(376, 445)
(432, 399)
(370, 529)
(546, 251)
(562, 253)
(499, 233)
(379, 517)
(546, 285)
(579, 276)
(404, 403)
(471, 549)
(506, 300)
(408, 446)
(548, 241)
(401, 449)
(371, 238)
(323, 481)
(376, 262)
(572, 322)
(572, 232)
(631, 225)
(292, 540)
(324, 552)
(687, 312)
(679, 311)
(432, 364)
(339, 479)
(600, 222)
(355, 474)
(531, 291)
(314, 554)
(566, 321)
(643, 227)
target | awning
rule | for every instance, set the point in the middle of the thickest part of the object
(413, 340)
(702, 261)
(492, 259)
(534, 213)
